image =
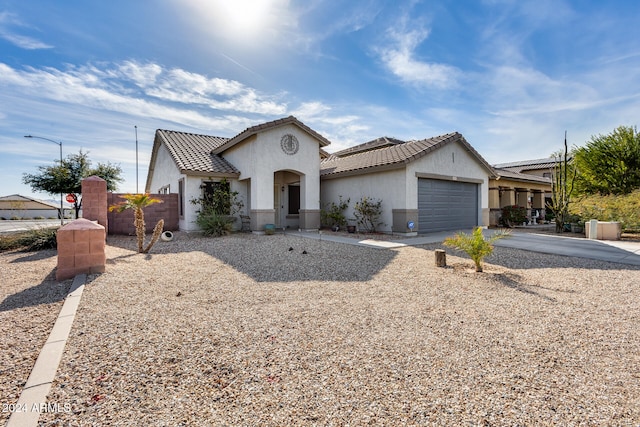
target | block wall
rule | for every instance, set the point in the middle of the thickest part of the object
(94, 200)
(81, 249)
(122, 222)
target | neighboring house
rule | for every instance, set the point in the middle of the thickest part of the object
(525, 183)
(284, 176)
(539, 167)
(22, 207)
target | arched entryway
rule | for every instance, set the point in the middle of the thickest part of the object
(287, 198)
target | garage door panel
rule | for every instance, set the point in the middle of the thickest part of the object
(446, 205)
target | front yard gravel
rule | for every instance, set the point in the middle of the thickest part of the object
(249, 330)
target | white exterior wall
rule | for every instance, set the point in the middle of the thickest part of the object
(452, 161)
(388, 186)
(166, 173)
(260, 156)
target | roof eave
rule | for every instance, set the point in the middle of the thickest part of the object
(364, 171)
(254, 130)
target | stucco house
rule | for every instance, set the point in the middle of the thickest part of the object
(524, 183)
(284, 177)
(23, 207)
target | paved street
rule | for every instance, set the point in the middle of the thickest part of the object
(7, 226)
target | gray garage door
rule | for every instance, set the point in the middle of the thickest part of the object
(446, 205)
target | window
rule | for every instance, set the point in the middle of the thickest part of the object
(546, 174)
(181, 197)
(294, 199)
(217, 195)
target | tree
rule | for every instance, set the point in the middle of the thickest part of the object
(138, 202)
(609, 164)
(562, 186)
(67, 177)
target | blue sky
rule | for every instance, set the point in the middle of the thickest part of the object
(510, 75)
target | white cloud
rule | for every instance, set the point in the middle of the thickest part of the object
(113, 89)
(399, 56)
(24, 42)
(8, 20)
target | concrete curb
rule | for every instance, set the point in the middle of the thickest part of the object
(33, 399)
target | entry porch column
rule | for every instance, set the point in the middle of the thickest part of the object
(262, 211)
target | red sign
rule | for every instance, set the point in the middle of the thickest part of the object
(71, 198)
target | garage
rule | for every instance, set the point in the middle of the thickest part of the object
(446, 205)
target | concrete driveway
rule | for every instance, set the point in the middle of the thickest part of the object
(619, 251)
(624, 252)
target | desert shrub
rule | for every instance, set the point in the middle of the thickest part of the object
(622, 208)
(32, 240)
(367, 212)
(513, 215)
(15, 218)
(40, 238)
(475, 244)
(333, 213)
(218, 208)
(214, 224)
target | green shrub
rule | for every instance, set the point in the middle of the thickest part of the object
(214, 224)
(333, 214)
(367, 212)
(474, 244)
(622, 208)
(15, 218)
(218, 208)
(513, 215)
(32, 240)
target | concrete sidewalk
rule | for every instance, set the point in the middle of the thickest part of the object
(623, 252)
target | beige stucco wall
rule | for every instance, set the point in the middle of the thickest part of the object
(388, 186)
(260, 156)
(398, 189)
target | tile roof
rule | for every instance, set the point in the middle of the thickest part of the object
(269, 125)
(506, 173)
(381, 142)
(393, 156)
(537, 164)
(193, 153)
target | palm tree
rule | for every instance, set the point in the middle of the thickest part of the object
(475, 245)
(138, 202)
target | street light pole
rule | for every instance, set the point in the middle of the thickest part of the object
(61, 194)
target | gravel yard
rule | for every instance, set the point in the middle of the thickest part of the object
(30, 300)
(240, 330)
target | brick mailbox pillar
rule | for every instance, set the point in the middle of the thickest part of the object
(81, 249)
(94, 200)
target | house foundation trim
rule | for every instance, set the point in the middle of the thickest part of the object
(262, 217)
(401, 219)
(449, 178)
(309, 219)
